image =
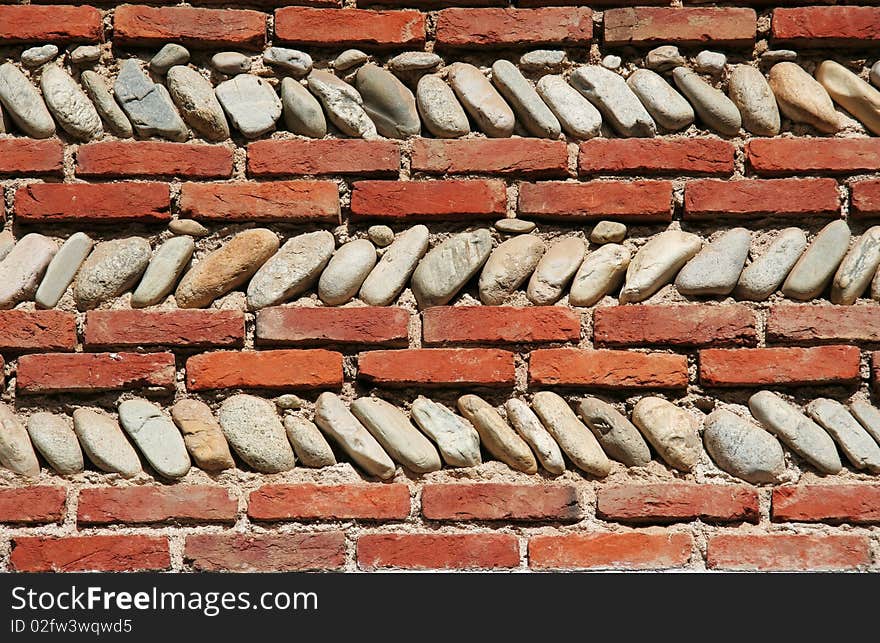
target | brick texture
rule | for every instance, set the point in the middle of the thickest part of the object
(826, 26)
(865, 198)
(349, 27)
(50, 23)
(656, 156)
(787, 552)
(182, 328)
(686, 326)
(790, 366)
(145, 505)
(626, 550)
(93, 203)
(499, 324)
(607, 369)
(710, 26)
(329, 502)
(838, 503)
(493, 501)
(265, 552)
(439, 200)
(110, 159)
(123, 553)
(477, 28)
(276, 369)
(785, 156)
(328, 156)
(437, 551)
(37, 330)
(796, 324)
(24, 156)
(190, 26)
(294, 201)
(367, 325)
(629, 201)
(750, 198)
(32, 505)
(94, 372)
(676, 502)
(437, 367)
(505, 156)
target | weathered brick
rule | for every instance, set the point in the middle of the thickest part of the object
(123, 553)
(493, 501)
(329, 502)
(94, 372)
(93, 202)
(499, 324)
(648, 26)
(607, 369)
(37, 330)
(656, 156)
(437, 367)
(276, 369)
(349, 27)
(787, 552)
(50, 23)
(865, 198)
(366, 325)
(293, 201)
(508, 156)
(827, 26)
(503, 27)
(832, 503)
(26, 156)
(266, 552)
(686, 326)
(712, 198)
(109, 159)
(649, 549)
(802, 323)
(437, 551)
(768, 366)
(32, 505)
(627, 200)
(677, 502)
(327, 156)
(439, 200)
(141, 25)
(184, 328)
(785, 156)
(146, 505)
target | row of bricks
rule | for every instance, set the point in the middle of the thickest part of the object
(454, 28)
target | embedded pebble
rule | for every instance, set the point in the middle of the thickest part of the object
(555, 270)
(231, 63)
(156, 436)
(440, 110)
(202, 435)
(343, 104)
(163, 271)
(802, 99)
(52, 435)
(612, 62)
(815, 269)
(577, 116)
(62, 269)
(289, 401)
(381, 235)
(547, 60)
(348, 59)
(390, 276)
(16, 452)
(36, 56)
(766, 273)
(23, 103)
(112, 269)
(254, 431)
(578, 443)
(309, 445)
(608, 232)
(532, 431)
(669, 108)
(496, 435)
(514, 226)
(292, 270)
(393, 430)
(852, 93)
(23, 268)
(672, 431)
(509, 265)
(717, 267)
(750, 92)
(456, 438)
(657, 262)
(187, 227)
(773, 56)
(302, 111)
(346, 272)
(485, 105)
(537, 118)
(617, 435)
(294, 62)
(448, 266)
(875, 74)
(194, 96)
(85, 54)
(148, 105)
(715, 110)
(7, 242)
(857, 269)
(414, 61)
(105, 444)
(742, 449)
(69, 104)
(114, 118)
(611, 95)
(600, 274)
(250, 103)
(388, 102)
(710, 62)
(170, 55)
(664, 58)
(857, 445)
(868, 416)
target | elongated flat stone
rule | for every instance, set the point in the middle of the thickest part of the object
(868, 416)
(576, 115)
(393, 430)
(250, 103)
(751, 93)
(194, 96)
(522, 97)
(85, 54)
(294, 269)
(664, 58)
(62, 269)
(481, 100)
(334, 419)
(111, 113)
(815, 269)
(600, 274)
(52, 435)
(665, 105)
(346, 272)
(856, 443)
(507, 268)
(189, 227)
(170, 55)
(163, 271)
(105, 444)
(156, 436)
(796, 430)
(742, 449)
(619, 438)
(514, 226)
(414, 61)
(388, 102)
(611, 95)
(546, 60)
(343, 104)
(23, 103)
(309, 445)
(852, 93)
(857, 269)
(447, 267)
(608, 232)
(715, 109)
(578, 443)
(440, 110)
(37, 56)
(302, 111)
(456, 438)
(766, 273)
(555, 270)
(657, 262)
(23, 268)
(672, 431)
(202, 435)
(532, 431)
(715, 270)
(349, 58)
(254, 431)
(16, 452)
(292, 61)
(496, 435)
(147, 105)
(802, 99)
(112, 269)
(390, 276)
(231, 63)
(69, 104)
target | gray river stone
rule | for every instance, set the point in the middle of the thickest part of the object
(23, 268)
(514, 226)
(393, 430)
(147, 104)
(617, 435)
(715, 270)
(414, 61)
(202, 435)
(343, 104)
(664, 58)
(600, 274)
(111, 113)
(577, 116)
(672, 431)
(537, 118)
(165, 268)
(485, 105)
(250, 103)
(254, 431)
(742, 449)
(612, 62)
(309, 444)
(857, 444)
(766, 273)
(448, 266)
(85, 54)
(496, 435)
(292, 61)
(609, 92)
(751, 93)
(507, 268)
(608, 232)
(390, 276)
(576, 440)
(105, 444)
(292, 270)
(440, 110)
(62, 269)
(531, 429)
(456, 438)
(112, 268)
(38, 56)
(52, 435)
(710, 62)
(546, 60)
(346, 272)
(23, 104)
(868, 416)
(815, 269)
(187, 227)
(796, 430)
(194, 96)
(16, 452)
(852, 93)
(69, 104)
(555, 271)
(348, 59)
(334, 419)
(156, 436)
(802, 99)
(388, 102)
(657, 262)
(669, 108)
(857, 269)
(381, 235)
(773, 56)
(170, 55)
(302, 111)
(231, 63)
(715, 109)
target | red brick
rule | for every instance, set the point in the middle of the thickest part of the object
(607, 369)
(295, 201)
(93, 202)
(656, 156)
(185, 328)
(784, 156)
(266, 552)
(648, 26)
(437, 367)
(827, 26)
(141, 25)
(507, 156)
(791, 366)
(712, 198)
(94, 372)
(439, 200)
(437, 551)
(327, 156)
(491, 501)
(329, 502)
(280, 369)
(676, 502)
(51, 23)
(37, 330)
(349, 27)
(865, 198)
(801, 323)
(146, 505)
(377, 325)
(652, 549)
(478, 28)
(500, 324)
(787, 552)
(153, 158)
(630, 201)
(123, 553)
(851, 503)
(32, 505)
(26, 156)
(686, 326)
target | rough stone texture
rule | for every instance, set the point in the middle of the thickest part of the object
(292, 270)
(69, 104)
(16, 452)
(616, 434)
(533, 113)
(671, 430)
(62, 269)
(202, 435)
(168, 263)
(111, 113)
(346, 271)
(601, 273)
(857, 269)
(717, 267)
(388, 102)
(254, 431)
(751, 94)
(667, 106)
(302, 111)
(170, 55)
(104, 443)
(390, 276)
(743, 449)
(715, 109)
(440, 110)
(802, 99)
(577, 116)
(656, 263)
(855, 442)
(231, 63)
(309, 445)
(456, 438)
(532, 431)
(613, 97)
(448, 266)
(147, 105)
(52, 435)
(24, 266)
(251, 104)
(393, 430)
(194, 96)
(509, 265)
(851, 92)
(554, 271)
(481, 100)
(23, 104)
(112, 269)
(343, 104)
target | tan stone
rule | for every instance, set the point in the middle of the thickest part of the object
(802, 99)
(852, 93)
(202, 435)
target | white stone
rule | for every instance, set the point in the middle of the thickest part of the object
(393, 430)
(577, 116)
(456, 438)
(600, 274)
(156, 436)
(657, 262)
(334, 419)
(294, 269)
(576, 440)
(532, 431)
(105, 444)
(611, 95)
(255, 433)
(386, 281)
(671, 430)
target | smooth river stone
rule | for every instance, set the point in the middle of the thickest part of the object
(576, 440)
(514, 226)
(346, 271)
(617, 435)
(717, 267)
(509, 265)
(147, 104)
(226, 268)
(23, 104)
(254, 431)
(609, 92)
(111, 113)
(250, 103)
(802, 99)
(62, 269)
(112, 269)
(532, 431)
(447, 267)
(388, 279)
(414, 61)
(456, 438)
(170, 55)
(194, 96)
(24, 266)
(600, 274)
(187, 227)
(343, 104)
(537, 118)
(16, 452)
(766, 273)
(36, 56)
(388, 102)
(294, 62)
(657, 262)
(294, 269)
(555, 270)
(440, 110)
(856, 443)
(163, 271)
(481, 100)
(796, 430)
(857, 269)
(577, 116)
(750, 92)
(742, 449)
(334, 419)
(496, 435)
(231, 63)
(105, 444)
(814, 270)
(672, 431)
(400, 439)
(52, 435)
(664, 58)
(381, 235)
(608, 232)
(349, 58)
(852, 93)
(868, 416)
(710, 62)
(669, 108)
(715, 110)
(202, 435)
(156, 436)
(85, 54)
(309, 445)
(302, 111)
(69, 104)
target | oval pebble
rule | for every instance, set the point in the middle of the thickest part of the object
(16, 452)
(481, 100)
(393, 430)
(448, 266)
(496, 435)
(555, 270)
(112, 269)
(254, 431)
(309, 445)
(202, 435)
(742, 449)
(657, 262)
(577, 116)
(156, 436)
(440, 110)
(618, 436)
(600, 274)
(456, 438)
(346, 271)
(765, 274)
(163, 271)
(52, 435)
(105, 444)
(23, 268)
(857, 269)
(62, 269)
(578, 443)
(816, 267)
(532, 431)
(292, 270)
(336, 420)
(715, 270)
(671, 430)
(509, 265)
(386, 281)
